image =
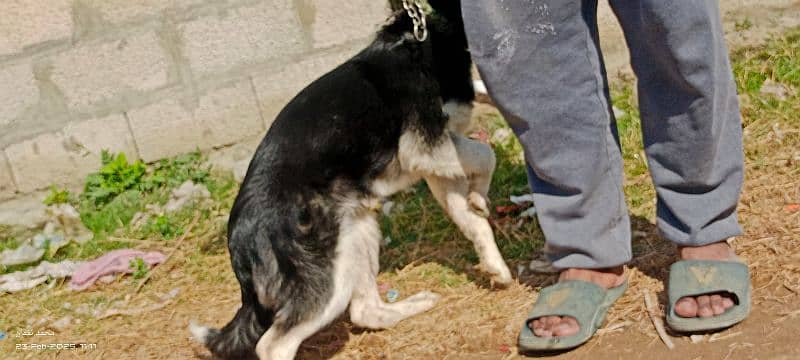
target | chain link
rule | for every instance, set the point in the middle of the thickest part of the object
(414, 10)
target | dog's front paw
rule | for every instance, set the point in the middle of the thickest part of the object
(500, 275)
(479, 204)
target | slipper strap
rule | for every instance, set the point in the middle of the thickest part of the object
(697, 277)
(577, 299)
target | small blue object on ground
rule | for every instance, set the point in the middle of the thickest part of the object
(392, 295)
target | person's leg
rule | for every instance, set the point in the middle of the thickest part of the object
(691, 125)
(542, 66)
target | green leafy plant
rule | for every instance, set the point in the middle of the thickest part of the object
(116, 175)
(164, 226)
(139, 268)
(57, 196)
(173, 172)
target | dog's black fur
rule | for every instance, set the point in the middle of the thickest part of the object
(334, 138)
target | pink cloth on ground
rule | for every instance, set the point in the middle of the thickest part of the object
(113, 262)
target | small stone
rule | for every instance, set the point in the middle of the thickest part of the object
(392, 295)
(618, 113)
(542, 267)
(697, 338)
(185, 194)
(775, 89)
(62, 324)
(387, 208)
(501, 135)
(529, 212)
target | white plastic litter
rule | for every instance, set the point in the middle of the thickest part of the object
(522, 199)
(480, 87)
(28, 279)
(24, 254)
(65, 220)
(529, 212)
(542, 267)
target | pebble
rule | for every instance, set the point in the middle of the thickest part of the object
(392, 295)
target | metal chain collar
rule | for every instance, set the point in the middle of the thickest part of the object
(414, 10)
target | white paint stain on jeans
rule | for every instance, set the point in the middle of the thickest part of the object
(545, 28)
(506, 45)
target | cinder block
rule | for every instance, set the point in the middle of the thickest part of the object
(124, 11)
(337, 21)
(243, 36)
(25, 23)
(95, 72)
(7, 186)
(67, 156)
(219, 118)
(17, 92)
(275, 89)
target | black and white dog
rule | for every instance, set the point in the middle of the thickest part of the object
(303, 235)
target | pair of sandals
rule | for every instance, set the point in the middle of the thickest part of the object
(588, 303)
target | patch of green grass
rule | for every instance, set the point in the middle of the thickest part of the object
(120, 189)
(778, 60)
(139, 268)
(639, 191)
(8, 242)
(57, 196)
(446, 277)
(170, 173)
(418, 227)
(742, 25)
(164, 226)
(769, 120)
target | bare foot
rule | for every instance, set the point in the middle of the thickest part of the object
(548, 326)
(706, 305)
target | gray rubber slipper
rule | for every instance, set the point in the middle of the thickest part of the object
(586, 302)
(697, 277)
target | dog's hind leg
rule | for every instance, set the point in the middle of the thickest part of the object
(357, 230)
(453, 195)
(281, 343)
(367, 309)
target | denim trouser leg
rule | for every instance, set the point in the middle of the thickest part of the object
(543, 67)
(690, 115)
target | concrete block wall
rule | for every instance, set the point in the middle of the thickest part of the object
(155, 78)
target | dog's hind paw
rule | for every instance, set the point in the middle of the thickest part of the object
(423, 300)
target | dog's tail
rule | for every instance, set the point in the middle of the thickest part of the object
(237, 340)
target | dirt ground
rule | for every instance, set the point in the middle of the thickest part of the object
(472, 321)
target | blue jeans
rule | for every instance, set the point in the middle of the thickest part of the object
(542, 64)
